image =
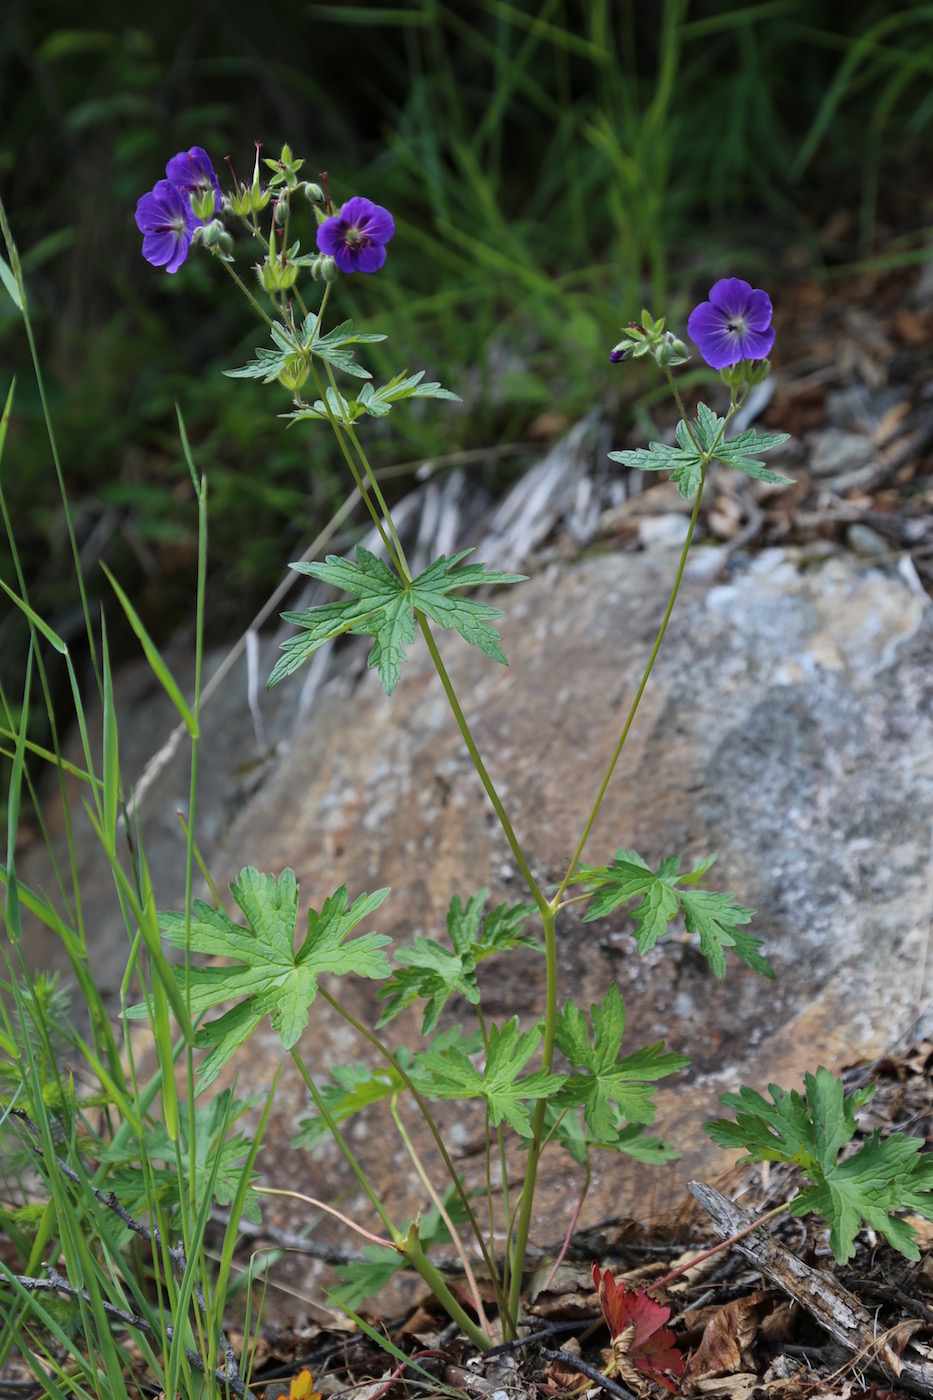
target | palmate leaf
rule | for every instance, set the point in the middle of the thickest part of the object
(685, 462)
(357, 1087)
(604, 1085)
(453, 1076)
(383, 607)
(564, 1126)
(434, 973)
(217, 1160)
(292, 344)
(716, 917)
(272, 977)
(376, 402)
(885, 1175)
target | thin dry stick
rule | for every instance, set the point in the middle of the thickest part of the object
(55, 1283)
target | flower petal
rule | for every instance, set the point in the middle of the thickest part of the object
(369, 259)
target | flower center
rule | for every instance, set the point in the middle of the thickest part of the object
(356, 238)
(736, 326)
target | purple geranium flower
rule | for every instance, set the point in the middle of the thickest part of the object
(193, 173)
(734, 325)
(356, 237)
(167, 224)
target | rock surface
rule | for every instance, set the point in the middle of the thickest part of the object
(786, 725)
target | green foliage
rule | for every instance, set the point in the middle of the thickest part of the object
(431, 971)
(500, 1085)
(361, 1278)
(376, 402)
(305, 342)
(606, 1087)
(717, 918)
(214, 1157)
(356, 1087)
(272, 977)
(812, 1131)
(703, 443)
(384, 607)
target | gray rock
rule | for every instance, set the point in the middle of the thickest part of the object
(833, 452)
(786, 726)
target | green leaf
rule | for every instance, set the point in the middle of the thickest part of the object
(882, 1177)
(267, 366)
(453, 1076)
(735, 452)
(354, 1087)
(216, 1161)
(383, 607)
(361, 1278)
(431, 971)
(685, 462)
(563, 1126)
(715, 917)
(273, 978)
(608, 1086)
(378, 402)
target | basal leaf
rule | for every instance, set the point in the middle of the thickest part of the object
(884, 1176)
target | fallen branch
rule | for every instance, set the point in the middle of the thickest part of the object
(833, 1307)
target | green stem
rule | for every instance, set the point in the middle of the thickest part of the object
(339, 430)
(638, 694)
(414, 1253)
(426, 1115)
(383, 505)
(544, 908)
(394, 1234)
(248, 294)
(442, 1212)
(519, 1247)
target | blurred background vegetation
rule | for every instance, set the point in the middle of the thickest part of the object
(552, 165)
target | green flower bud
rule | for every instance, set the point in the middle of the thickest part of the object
(214, 236)
(280, 211)
(313, 192)
(276, 276)
(295, 373)
(329, 271)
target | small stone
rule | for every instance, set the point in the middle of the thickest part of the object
(866, 542)
(834, 451)
(663, 531)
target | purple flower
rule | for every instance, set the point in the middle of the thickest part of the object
(356, 237)
(193, 173)
(734, 325)
(167, 224)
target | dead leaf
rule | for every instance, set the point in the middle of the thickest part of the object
(726, 1345)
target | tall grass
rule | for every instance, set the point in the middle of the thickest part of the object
(108, 1178)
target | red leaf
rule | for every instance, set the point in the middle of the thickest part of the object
(653, 1347)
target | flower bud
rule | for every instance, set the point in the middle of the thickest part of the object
(276, 276)
(295, 373)
(215, 236)
(313, 192)
(203, 204)
(280, 211)
(328, 269)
